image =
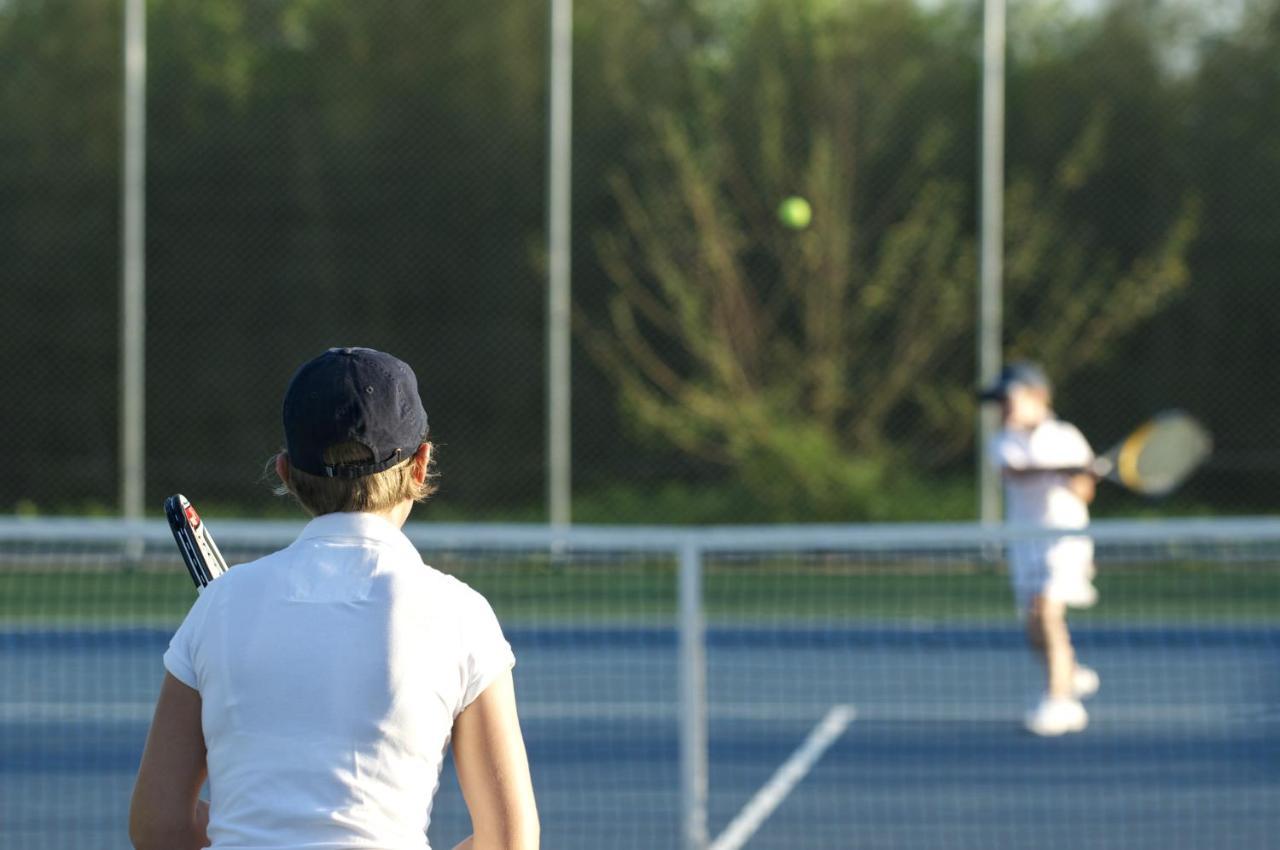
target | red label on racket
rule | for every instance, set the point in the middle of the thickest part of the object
(192, 516)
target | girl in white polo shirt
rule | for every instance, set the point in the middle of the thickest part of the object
(318, 688)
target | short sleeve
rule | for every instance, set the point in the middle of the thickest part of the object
(1009, 452)
(487, 655)
(179, 658)
(1061, 445)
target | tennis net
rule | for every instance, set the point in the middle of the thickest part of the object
(739, 687)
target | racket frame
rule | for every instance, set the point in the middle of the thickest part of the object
(1120, 463)
(200, 554)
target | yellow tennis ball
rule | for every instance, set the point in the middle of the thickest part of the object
(795, 213)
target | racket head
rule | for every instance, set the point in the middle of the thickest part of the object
(199, 553)
(1160, 455)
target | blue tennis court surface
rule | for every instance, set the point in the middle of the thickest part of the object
(1183, 750)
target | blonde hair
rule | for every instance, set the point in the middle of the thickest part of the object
(370, 493)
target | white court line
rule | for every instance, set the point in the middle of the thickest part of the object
(742, 827)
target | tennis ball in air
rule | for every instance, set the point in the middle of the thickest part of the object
(795, 213)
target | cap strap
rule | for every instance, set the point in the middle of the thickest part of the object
(361, 470)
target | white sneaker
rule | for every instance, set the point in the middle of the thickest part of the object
(1084, 682)
(1056, 717)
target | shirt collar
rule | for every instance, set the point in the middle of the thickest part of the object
(353, 525)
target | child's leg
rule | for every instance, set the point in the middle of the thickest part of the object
(1049, 638)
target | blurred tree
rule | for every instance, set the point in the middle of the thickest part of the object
(60, 72)
(1100, 211)
(825, 366)
(323, 171)
(318, 172)
(1216, 353)
(334, 173)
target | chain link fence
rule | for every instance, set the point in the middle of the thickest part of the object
(322, 173)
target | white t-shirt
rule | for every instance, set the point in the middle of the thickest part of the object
(1044, 499)
(1056, 567)
(331, 673)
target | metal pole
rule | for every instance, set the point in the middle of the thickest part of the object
(693, 703)
(990, 318)
(132, 279)
(559, 163)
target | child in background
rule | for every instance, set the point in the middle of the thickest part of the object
(1042, 460)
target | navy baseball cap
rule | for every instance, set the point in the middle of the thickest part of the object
(1022, 373)
(353, 395)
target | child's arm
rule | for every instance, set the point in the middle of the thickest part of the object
(1032, 471)
(1062, 452)
(1084, 485)
(1082, 481)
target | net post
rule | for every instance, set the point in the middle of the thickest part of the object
(693, 701)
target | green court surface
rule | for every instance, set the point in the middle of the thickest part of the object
(643, 591)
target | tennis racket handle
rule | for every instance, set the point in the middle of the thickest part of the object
(1101, 467)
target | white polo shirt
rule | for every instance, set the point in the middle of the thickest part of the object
(330, 674)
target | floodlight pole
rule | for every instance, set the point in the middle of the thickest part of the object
(133, 263)
(990, 318)
(559, 162)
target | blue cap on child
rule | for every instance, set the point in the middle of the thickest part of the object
(1022, 373)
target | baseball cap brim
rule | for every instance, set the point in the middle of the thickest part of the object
(1017, 374)
(996, 393)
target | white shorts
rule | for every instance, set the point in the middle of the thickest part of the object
(1061, 570)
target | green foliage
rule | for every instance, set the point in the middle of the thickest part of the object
(323, 171)
(817, 365)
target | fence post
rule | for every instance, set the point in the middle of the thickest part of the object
(991, 248)
(693, 701)
(133, 265)
(559, 167)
